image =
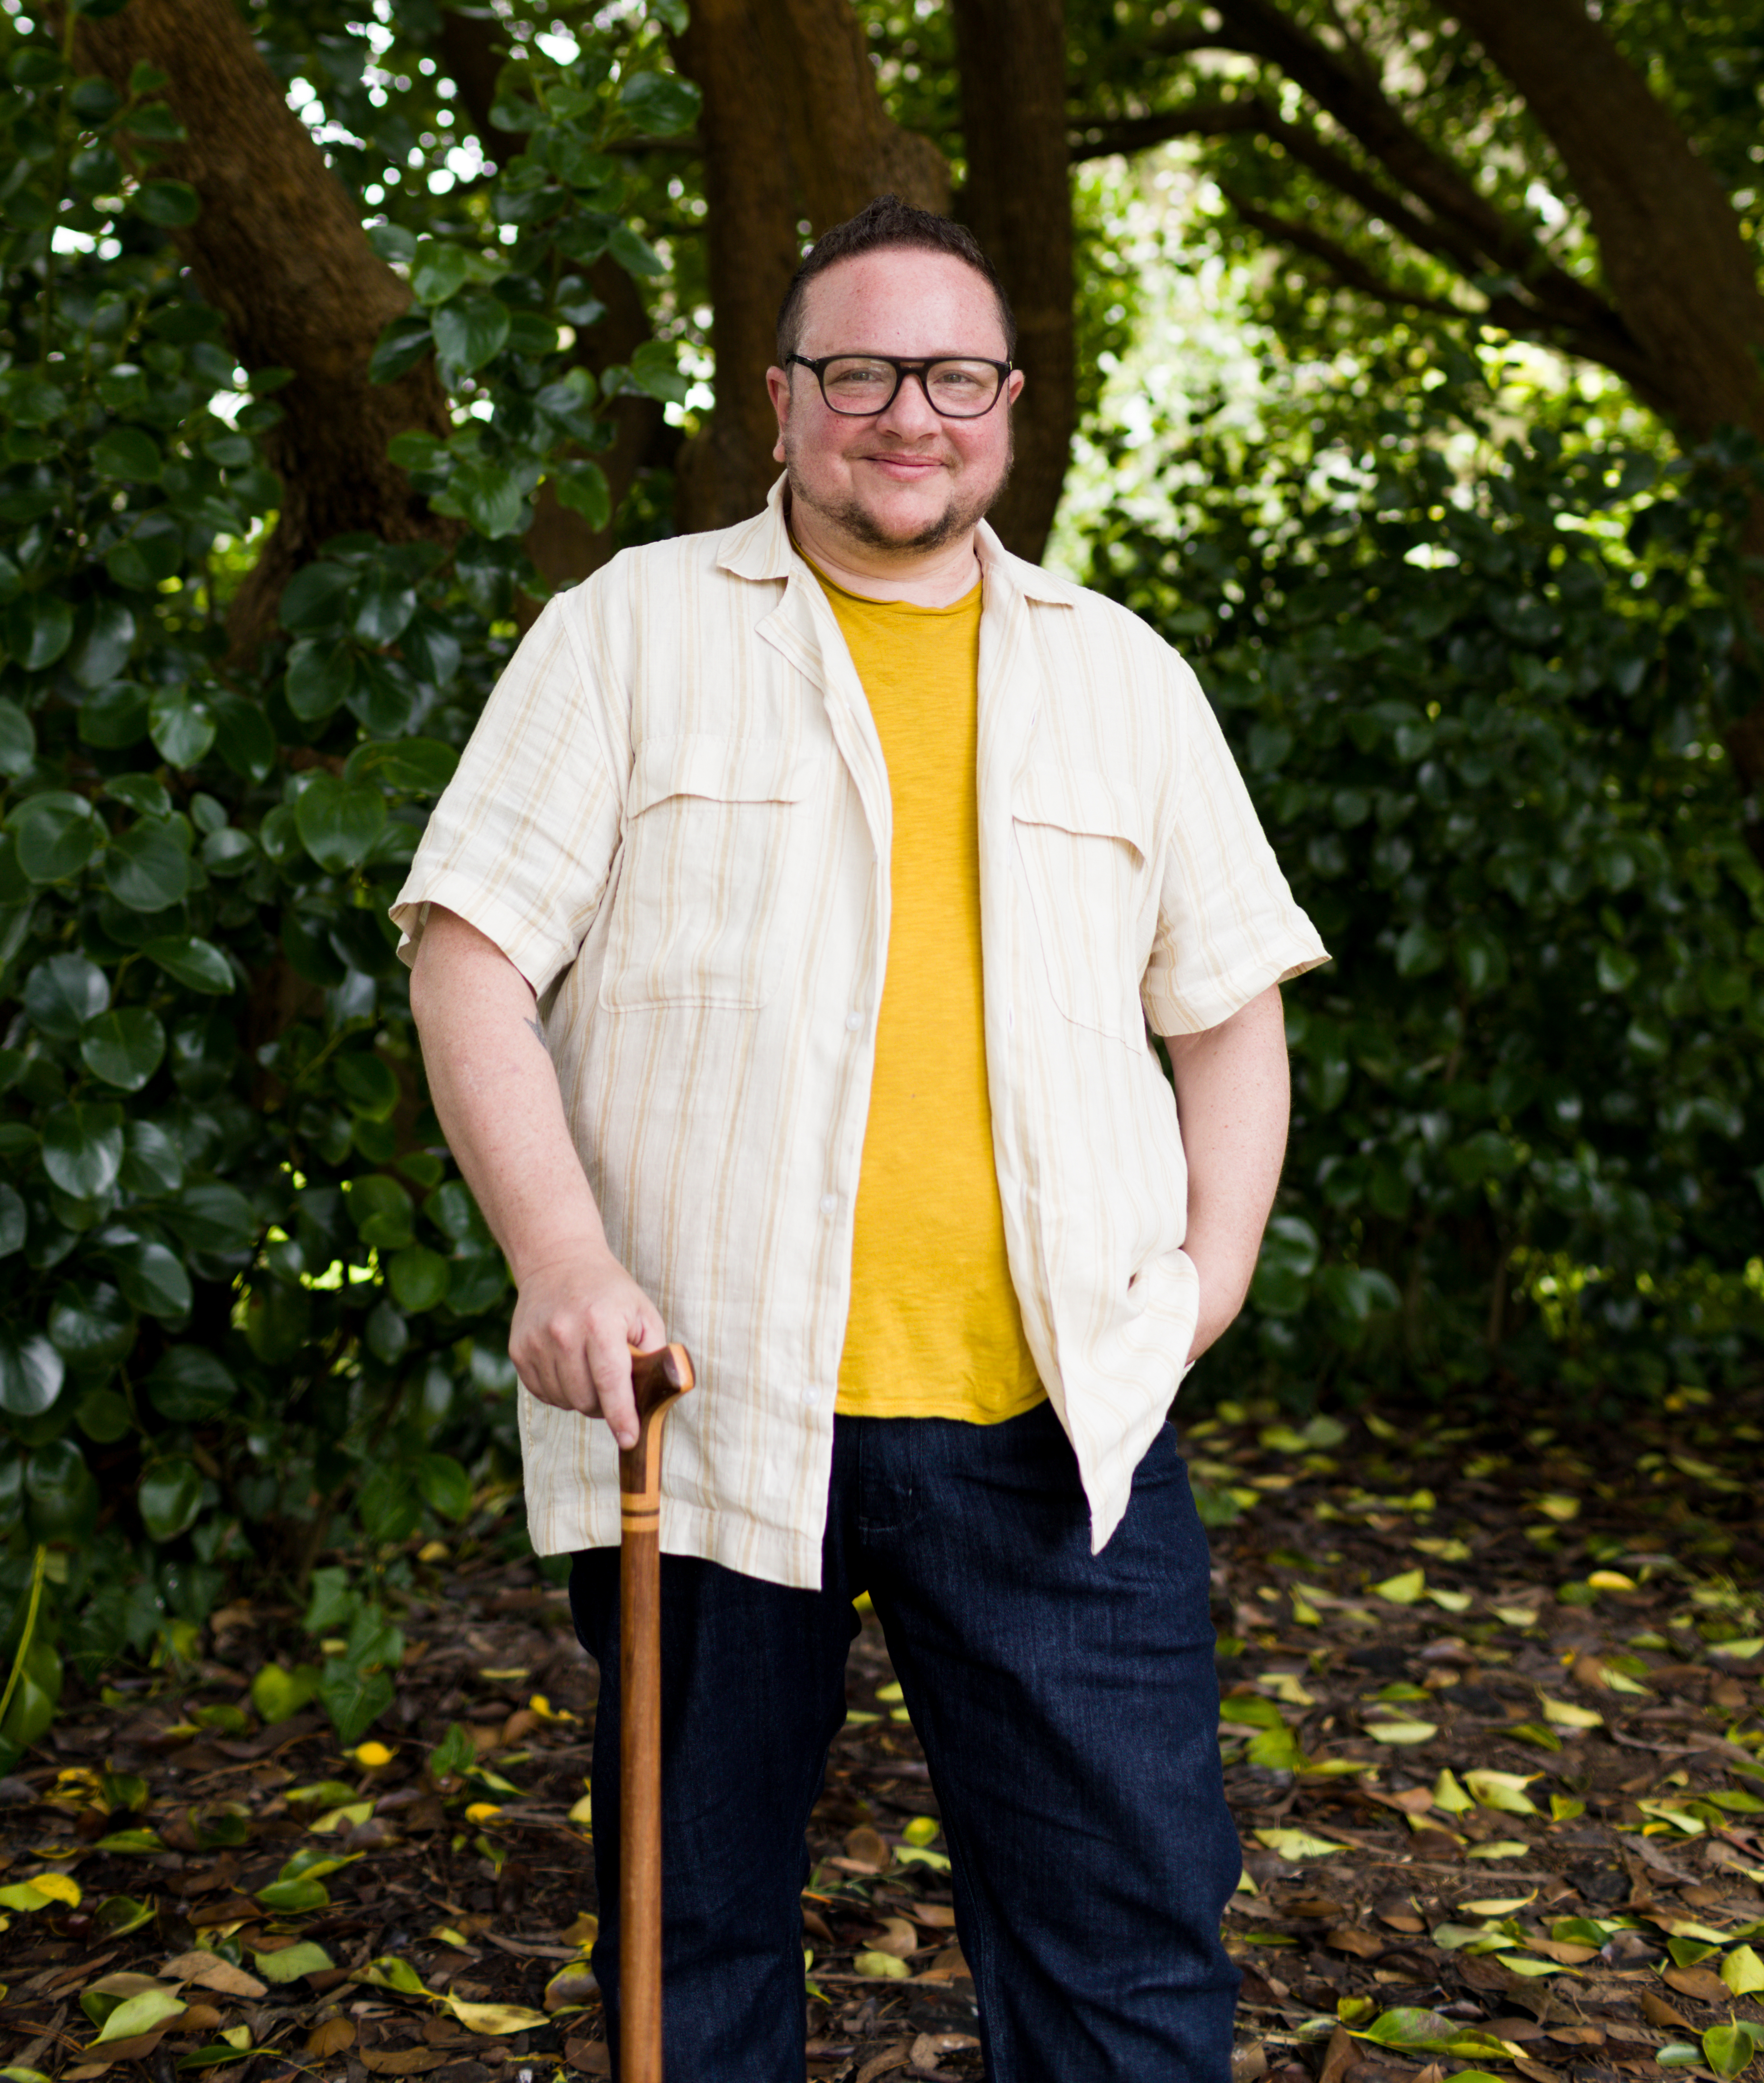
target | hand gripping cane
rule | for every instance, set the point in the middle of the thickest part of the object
(657, 1379)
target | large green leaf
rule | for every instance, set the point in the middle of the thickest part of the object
(214, 1217)
(316, 601)
(446, 1486)
(82, 1147)
(129, 454)
(15, 1226)
(31, 1373)
(663, 102)
(17, 740)
(198, 964)
(56, 833)
(190, 1384)
(102, 649)
(147, 868)
(320, 676)
(423, 765)
(170, 1498)
(469, 329)
(154, 1278)
(90, 1324)
(338, 821)
(490, 498)
(60, 1497)
(123, 1048)
(62, 994)
(39, 627)
(182, 724)
(382, 1212)
(418, 1277)
(354, 1700)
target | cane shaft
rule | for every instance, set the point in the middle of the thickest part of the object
(657, 1378)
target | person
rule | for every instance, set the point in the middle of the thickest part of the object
(784, 953)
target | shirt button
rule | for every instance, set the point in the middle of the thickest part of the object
(854, 1021)
(829, 1204)
(811, 1396)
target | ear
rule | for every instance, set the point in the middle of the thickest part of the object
(778, 388)
(1013, 387)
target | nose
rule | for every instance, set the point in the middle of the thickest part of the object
(911, 413)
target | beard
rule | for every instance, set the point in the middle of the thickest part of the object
(963, 512)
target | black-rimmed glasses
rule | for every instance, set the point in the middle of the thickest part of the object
(859, 385)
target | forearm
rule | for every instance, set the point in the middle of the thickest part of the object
(1232, 1098)
(578, 1312)
(495, 1090)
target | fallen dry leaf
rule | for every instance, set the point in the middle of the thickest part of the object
(1699, 1982)
(1249, 2064)
(1658, 2012)
(879, 2064)
(333, 2036)
(864, 1847)
(1348, 1938)
(400, 2060)
(589, 2057)
(1341, 2055)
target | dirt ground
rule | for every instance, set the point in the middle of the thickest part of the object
(1491, 1729)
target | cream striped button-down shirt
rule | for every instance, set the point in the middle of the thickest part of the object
(674, 819)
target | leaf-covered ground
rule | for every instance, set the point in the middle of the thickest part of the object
(1491, 1730)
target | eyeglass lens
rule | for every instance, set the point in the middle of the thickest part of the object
(859, 385)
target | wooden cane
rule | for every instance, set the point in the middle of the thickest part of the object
(657, 1379)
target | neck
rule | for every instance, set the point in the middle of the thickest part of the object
(927, 578)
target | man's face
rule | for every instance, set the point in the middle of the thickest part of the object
(905, 479)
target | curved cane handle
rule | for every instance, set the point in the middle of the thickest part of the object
(657, 1380)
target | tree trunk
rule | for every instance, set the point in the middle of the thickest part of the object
(793, 128)
(1670, 245)
(279, 250)
(1018, 203)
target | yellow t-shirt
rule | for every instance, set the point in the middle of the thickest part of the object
(935, 1330)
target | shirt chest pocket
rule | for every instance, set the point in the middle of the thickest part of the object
(1082, 851)
(711, 873)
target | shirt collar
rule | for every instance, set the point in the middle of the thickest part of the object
(761, 548)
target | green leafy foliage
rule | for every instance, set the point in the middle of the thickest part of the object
(1479, 710)
(251, 1312)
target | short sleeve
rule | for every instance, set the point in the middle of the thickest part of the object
(522, 841)
(1227, 925)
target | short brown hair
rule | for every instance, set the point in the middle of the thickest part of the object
(888, 223)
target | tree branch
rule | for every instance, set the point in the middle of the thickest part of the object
(1348, 268)
(279, 250)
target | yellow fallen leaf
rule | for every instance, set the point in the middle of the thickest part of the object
(483, 1811)
(1304, 1612)
(1517, 1616)
(341, 1818)
(494, 2018)
(1566, 1715)
(58, 1888)
(584, 1931)
(1449, 1794)
(1743, 1971)
(583, 1811)
(543, 1707)
(1297, 1845)
(1501, 1905)
(1451, 1602)
(1611, 1580)
(1503, 1790)
(142, 2014)
(1402, 1732)
(433, 1551)
(237, 2035)
(1285, 1687)
(511, 1676)
(882, 1965)
(1501, 1847)
(1558, 1505)
(371, 1755)
(1402, 1590)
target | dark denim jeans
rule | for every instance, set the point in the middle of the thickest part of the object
(1068, 1708)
